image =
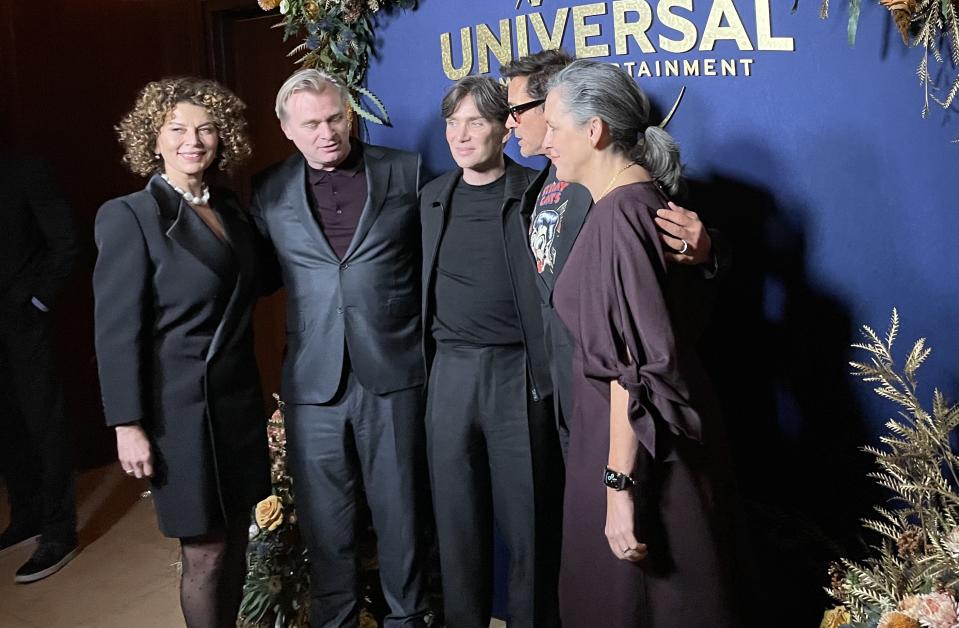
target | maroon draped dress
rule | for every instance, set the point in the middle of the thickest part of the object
(623, 308)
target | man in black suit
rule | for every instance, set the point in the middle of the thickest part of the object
(342, 218)
(38, 248)
(491, 439)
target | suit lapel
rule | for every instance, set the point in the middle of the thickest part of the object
(433, 221)
(530, 196)
(440, 208)
(238, 232)
(516, 182)
(296, 198)
(377, 186)
(188, 230)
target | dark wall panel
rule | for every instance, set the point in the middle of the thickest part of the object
(69, 70)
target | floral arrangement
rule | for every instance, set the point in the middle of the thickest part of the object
(277, 587)
(912, 579)
(920, 23)
(337, 39)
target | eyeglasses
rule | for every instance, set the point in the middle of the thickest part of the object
(516, 110)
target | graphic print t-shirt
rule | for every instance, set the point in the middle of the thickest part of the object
(546, 225)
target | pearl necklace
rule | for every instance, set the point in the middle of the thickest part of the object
(609, 186)
(203, 199)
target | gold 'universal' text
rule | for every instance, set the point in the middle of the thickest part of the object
(630, 21)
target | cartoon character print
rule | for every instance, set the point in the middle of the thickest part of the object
(546, 225)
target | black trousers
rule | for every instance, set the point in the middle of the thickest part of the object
(494, 456)
(374, 442)
(36, 460)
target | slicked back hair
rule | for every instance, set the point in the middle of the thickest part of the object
(594, 89)
(538, 69)
(309, 79)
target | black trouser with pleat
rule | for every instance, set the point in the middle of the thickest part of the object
(374, 442)
(488, 447)
(36, 458)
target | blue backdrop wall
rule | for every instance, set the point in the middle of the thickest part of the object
(839, 200)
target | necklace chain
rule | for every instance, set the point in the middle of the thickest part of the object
(202, 199)
(609, 185)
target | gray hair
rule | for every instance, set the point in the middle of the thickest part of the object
(593, 89)
(488, 94)
(308, 79)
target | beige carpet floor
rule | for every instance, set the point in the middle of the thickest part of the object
(124, 577)
(125, 574)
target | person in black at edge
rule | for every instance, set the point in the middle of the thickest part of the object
(553, 212)
(491, 439)
(38, 248)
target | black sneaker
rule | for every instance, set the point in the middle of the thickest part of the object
(46, 561)
(17, 536)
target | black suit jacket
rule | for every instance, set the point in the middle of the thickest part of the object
(174, 341)
(38, 242)
(367, 303)
(434, 212)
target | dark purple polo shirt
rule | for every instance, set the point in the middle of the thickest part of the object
(337, 198)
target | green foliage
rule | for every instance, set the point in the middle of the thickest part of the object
(337, 38)
(922, 23)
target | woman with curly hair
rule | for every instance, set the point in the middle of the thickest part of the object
(175, 282)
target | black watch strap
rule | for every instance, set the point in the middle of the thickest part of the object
(616, 480)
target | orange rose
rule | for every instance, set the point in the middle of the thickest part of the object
(269, 513)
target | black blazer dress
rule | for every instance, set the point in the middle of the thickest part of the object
(174, 343)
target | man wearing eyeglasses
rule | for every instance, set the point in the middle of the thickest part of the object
(553, 212)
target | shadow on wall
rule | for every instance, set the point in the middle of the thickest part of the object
(777, 348)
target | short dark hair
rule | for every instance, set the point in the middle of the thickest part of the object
(539, 68)
(488, 94)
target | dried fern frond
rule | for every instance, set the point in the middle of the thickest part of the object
(915, 462)
(921, 23)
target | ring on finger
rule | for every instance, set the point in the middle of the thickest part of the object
(685, 247)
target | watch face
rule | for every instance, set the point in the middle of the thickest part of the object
(613, 479)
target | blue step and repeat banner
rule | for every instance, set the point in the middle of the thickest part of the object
(840, 202)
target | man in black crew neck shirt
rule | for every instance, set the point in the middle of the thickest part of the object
(471, 292)
(491, 438)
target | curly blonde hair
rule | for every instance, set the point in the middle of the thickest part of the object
(139, 128)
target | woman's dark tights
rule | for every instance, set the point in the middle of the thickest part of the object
(211, 585)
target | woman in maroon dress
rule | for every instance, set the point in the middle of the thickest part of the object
(643, 546)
